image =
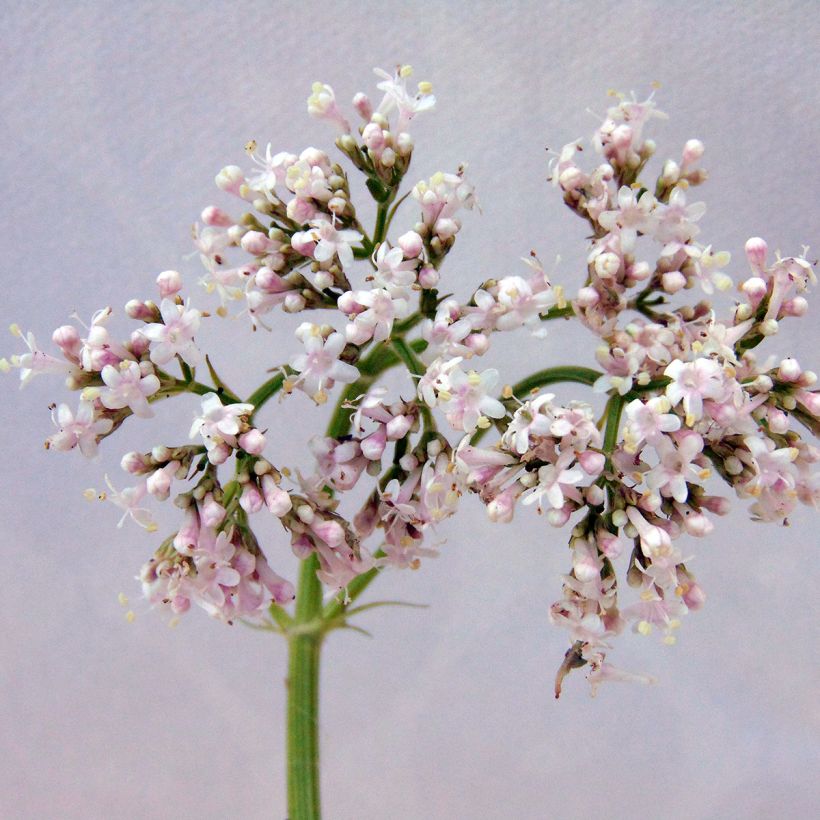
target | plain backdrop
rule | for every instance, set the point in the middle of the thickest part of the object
(115, 118)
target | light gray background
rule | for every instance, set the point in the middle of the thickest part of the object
(115, 117)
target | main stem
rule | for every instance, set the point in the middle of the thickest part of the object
(304, 644)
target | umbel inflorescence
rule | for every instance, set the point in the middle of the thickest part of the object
(689, 394)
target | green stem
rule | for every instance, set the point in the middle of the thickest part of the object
(304, 646)
(381, 222)
(558, 313)
(418, 369)
(305, 630)
(614, 407)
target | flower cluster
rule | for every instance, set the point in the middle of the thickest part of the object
(688, 396)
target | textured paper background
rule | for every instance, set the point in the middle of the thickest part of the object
(115, 117)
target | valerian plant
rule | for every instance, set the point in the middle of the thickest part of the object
(688, 395)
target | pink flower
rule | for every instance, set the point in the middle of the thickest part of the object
(175, 335)
(219, 425)
(322, 105)
(128, 500)
(692, 382)
(319, 365)
(331, 241)
(81, 430)
(129, 385)
(648, 421)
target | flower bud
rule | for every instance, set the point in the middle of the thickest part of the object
(411, 244)
(607, 265)
(230, 179)
(134, 463)
(251, 499)
(252, 442)
(363, 106)
(756, 249)
(588, 297)
(169, 283)
(692, 151)
(673, 281)
(67, 338)
(256, 243)
(216, 217)
(294, 302)
(277, 500)
(428, 277)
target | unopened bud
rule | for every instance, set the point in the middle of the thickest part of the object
(169, 283)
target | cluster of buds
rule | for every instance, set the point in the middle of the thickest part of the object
(688, 397)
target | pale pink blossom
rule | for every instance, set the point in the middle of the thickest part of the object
(129, 385)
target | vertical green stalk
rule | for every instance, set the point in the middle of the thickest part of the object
(304, 644)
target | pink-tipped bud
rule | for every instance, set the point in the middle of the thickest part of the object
(754, 288)
(363, 106)
(159, 482)
(716, 504)
(694, 597)
(428, 277)
(294, 302)
(331, 532)
(446, 228)
(373, 137)
(794, 307)
(692, 151)
(588, 297)
(213, 513)
(756, 249)
(277, 500)
(169, 283)
(778, 420)
(557, 518)
(411, 244)
(252, 442)
(404, 144)
(135, 309)
(251, 500)
(323, 280)
(609, 544)
(607, 265)
(134, 463)
(502, 507)
(670, 173)
(230, 179)
(216, 217)
(789, 370)
(809, 400)
(592, 463)
(673, 281)
(186, 539)
(67, 338)
(478, 343)
(640, 271)
(373, 446)
(303, 242)
(256, 243)
(138, 344)
(398, 427)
